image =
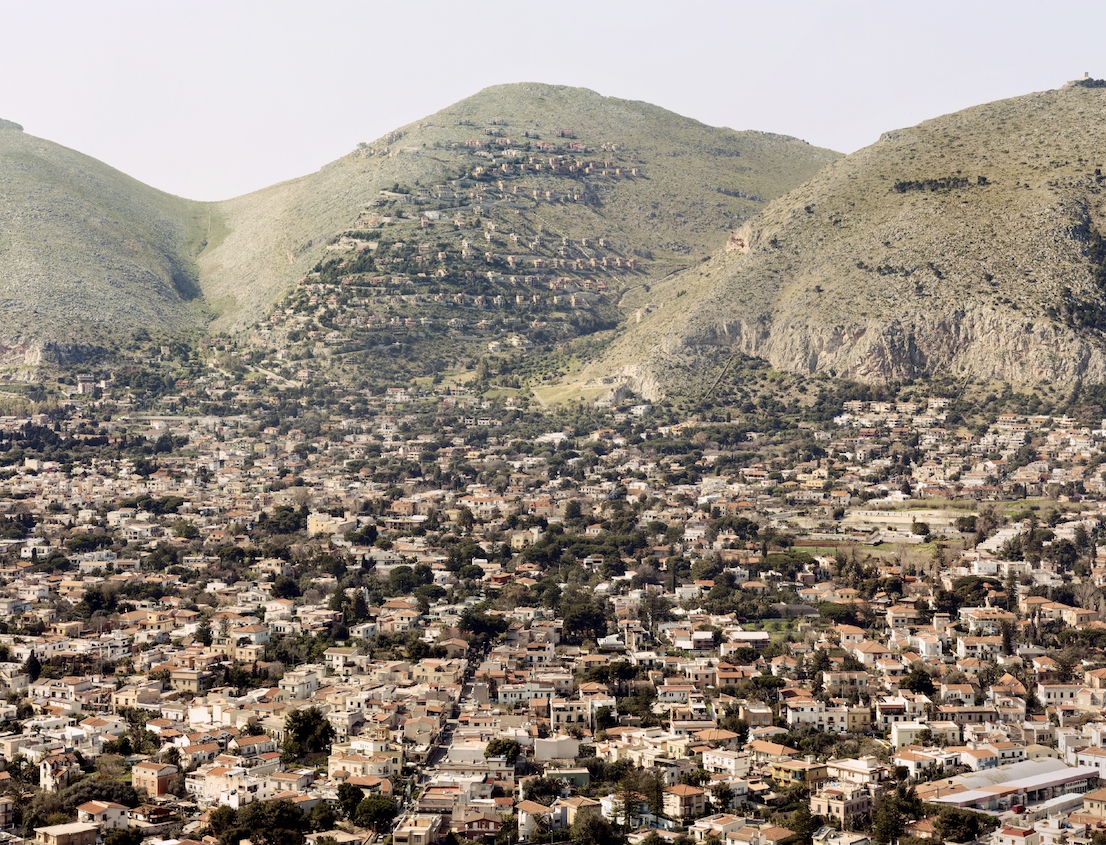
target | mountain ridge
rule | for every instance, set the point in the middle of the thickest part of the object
(88, 255)
(86, 245)
(506, 108)
(957, 246)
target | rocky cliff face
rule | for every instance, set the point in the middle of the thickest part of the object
(20, 357)
(974, 341)
(20, 352)
(967, 245)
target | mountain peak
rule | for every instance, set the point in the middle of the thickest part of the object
(526, 207)
(969, 244)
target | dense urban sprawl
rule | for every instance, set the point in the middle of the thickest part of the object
(424, 613)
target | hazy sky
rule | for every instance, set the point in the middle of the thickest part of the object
(210, 100)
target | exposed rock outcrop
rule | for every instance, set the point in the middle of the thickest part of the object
(967, 245)
(978, 341)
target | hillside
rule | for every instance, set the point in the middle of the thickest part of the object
(694, 184)
(86, 252)
(968, 244)
(588, 195)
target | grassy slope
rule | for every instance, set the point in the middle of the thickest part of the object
(992, 258)
(86, 250)
(675, 213)
(88, 253)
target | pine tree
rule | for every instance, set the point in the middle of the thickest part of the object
(349, 796)
(337, 601)
(1010, 587)
(722, 796)
(360, 608)
(887, 821)
(652, 787)
(626, 803)
(804, 824)
(32, 667)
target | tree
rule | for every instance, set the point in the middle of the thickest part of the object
(739, 726)
(321, 817)
(722, 796)
(32, 667)
(698, 777)
(121, 746)
(221, 819)
(593, 829)
(887, 820)
(820, 662)
(308, 732)
(508, 830)
(417, 648)
(22, 772)
(544, 790)
(917, 680)
(203, 632)
(428, 594)
(803, 823)
(185, 529)
(956, 825)
(651, 784)
(285, 588)
(376, 811)
(267, 823)
(605, 718)
(360, 608)
(626, 800)
(1066, 663)
(543, 830)
(465, 519)
(178, 787)
(503, 747)
(1064, 553)
(337, 601)
(124, 836)
(582, 621)
(1007, 638)
(402, 580)
(109, 766)
(349, 796)
(45, 804)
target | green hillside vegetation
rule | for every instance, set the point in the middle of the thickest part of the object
(968, 245)
(695, 184)
(88, 254)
